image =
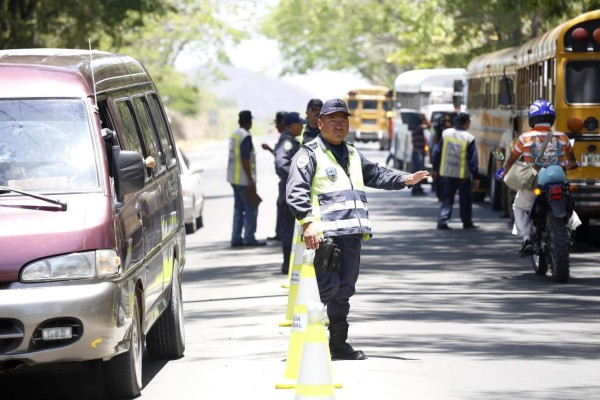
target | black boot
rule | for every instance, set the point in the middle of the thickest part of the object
(340, 350)
(285, 267)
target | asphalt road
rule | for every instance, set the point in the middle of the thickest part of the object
(440, 314)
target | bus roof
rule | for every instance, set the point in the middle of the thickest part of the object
(427, 80)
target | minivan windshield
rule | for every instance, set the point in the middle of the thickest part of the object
(46, 145)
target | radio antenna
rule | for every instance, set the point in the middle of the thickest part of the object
(93, 80)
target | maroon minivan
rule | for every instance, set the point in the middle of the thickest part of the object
(92, 239)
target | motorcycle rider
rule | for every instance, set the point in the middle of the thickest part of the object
(528, 145)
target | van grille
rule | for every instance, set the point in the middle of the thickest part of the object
(11, 334)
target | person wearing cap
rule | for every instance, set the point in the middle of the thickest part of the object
(279, 116)
(454, 159)
(326, 192)
(241, 174)
(285, 149)
(311, 129)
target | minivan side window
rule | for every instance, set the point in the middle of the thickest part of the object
(129, 137)
(150, 139)
(161, 127)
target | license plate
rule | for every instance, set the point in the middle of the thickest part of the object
(590, 160)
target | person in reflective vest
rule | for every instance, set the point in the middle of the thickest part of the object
(326, 192)
(454, 159)
(241, 174)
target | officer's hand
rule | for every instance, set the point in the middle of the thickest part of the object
(311, 236)
(415, 178)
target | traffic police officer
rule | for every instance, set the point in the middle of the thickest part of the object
(311, 129)
(285, 149)
(455, 159)
(326, 193)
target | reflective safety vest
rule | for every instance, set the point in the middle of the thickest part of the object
(235, 172)
(454, 153)
(339, 201)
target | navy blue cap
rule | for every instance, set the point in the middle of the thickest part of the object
(293, 118)
(334, 105)
(245, 116)
(314, 103)
(280, 116)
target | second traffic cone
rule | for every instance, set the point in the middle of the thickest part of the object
(298, 248)
(315, 375)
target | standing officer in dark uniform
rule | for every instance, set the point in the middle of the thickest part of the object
(285, 149)
(311, 129)
(326, 193)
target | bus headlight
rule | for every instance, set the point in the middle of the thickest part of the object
(89, 264)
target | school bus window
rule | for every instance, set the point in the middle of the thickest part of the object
(352, 104)
(369, 104)
(582, 79)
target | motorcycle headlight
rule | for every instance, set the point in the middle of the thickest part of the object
(89, 264)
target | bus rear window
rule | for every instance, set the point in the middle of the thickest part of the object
(369, 104)
(352, 104)
(582, 80)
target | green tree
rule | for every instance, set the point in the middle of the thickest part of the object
(379, 39)
(69, 23)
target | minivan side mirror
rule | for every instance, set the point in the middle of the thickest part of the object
(506, 97)
(130, 172)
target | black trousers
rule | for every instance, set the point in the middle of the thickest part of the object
(337, 288)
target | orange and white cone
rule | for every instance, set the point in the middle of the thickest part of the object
(315, 375)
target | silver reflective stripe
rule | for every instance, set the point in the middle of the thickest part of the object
(344, 224)
(347, 205)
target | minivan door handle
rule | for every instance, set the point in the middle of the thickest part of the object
(138, 210)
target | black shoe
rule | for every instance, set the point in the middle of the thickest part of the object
(237, 244)
(255, 243)
(526, 248)
(418, 194)
(285, 268)
(277, 238)
(443, 227)
(343, 351)
(472, 226)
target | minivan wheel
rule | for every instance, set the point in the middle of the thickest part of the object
(166, 339)
(122, 375)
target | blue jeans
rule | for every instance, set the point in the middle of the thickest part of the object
(244, 217)
(418, 163)
(449, 186)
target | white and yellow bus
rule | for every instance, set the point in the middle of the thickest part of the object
(372, 113)
(562, 66)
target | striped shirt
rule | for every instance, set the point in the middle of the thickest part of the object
(530, 143)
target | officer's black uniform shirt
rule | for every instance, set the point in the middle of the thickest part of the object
(310, 133)
(303, 167)
(285, 149)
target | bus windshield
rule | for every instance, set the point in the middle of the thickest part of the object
(46, 145)
(582, 79)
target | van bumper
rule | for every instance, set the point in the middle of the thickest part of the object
(99, 314)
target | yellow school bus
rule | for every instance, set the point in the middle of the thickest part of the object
(371, 108)
(563, 66)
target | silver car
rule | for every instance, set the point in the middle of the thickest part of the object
(191, 189)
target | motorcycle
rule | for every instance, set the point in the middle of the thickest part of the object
(550, 216)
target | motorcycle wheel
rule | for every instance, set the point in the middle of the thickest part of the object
(559, 248)
(539, 263)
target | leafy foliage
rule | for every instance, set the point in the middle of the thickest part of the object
(379, 39)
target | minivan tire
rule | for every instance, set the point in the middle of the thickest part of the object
(166, 339)
(122, 375)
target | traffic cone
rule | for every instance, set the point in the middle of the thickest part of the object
(296, 263)
(315, 375)
(298, 248)
(308, 293)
